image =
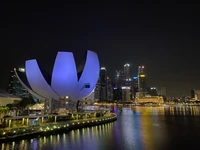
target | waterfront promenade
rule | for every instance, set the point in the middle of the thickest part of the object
(50, 128)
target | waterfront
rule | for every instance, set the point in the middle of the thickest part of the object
(148, 128)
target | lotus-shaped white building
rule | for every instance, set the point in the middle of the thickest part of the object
(65, 80)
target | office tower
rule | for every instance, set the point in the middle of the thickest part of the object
(141, 81)
(126, 93)
(97, 91)
(117, 94)
(163, 91)
(118, 83)
(103, 84)
(152, 91)
(15, 87)
(195, 94)
(119, 79)
(109, 89)
(140, 69)
(135, 86)
(127, 71)
(127, 77)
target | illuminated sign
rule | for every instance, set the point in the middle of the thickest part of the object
(126, 87)
(135, 77)
(142, 75)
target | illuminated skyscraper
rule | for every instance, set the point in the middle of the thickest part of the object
(135, 86)
(15, 87)
(123, 88)
(195, 94)
(141, 81)
(127, 71)
(140, 69)
(152, 91)
(103, 84)
(109, 89)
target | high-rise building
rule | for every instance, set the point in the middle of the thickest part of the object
(135, 86)
(103, 84)
(152, 91)
(97, 91)
(109, 89)
(104, 87)
(15, 87)
(127, 77)
(127, 72)
(126, 93)
(195, 94)
(119, 79)
(141, 82)
(117, 94)
(163, 91)
(140, 69)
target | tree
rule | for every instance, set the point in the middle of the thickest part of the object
(3, 110)
(24, 103)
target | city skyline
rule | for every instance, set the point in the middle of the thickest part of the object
(163, 37)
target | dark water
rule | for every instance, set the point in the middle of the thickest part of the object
(137, 128)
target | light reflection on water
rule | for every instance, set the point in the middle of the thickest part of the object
(148, 128)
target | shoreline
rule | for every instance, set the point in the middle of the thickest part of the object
(14, 133)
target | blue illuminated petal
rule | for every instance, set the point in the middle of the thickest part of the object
(37, 81)
(89, 75)
(64, 76)
(28, 89)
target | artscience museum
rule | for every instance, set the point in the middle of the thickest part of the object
(66, 81)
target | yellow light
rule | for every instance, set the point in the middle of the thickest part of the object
(142, 75)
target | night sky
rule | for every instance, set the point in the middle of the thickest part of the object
(163, 37)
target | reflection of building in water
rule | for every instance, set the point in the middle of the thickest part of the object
(183, 111)
(148, 127)
(150, 110)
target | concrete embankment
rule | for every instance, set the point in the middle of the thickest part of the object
(52, 128)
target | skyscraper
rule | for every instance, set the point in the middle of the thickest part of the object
(118, 83)
(15, 87)
(195, 94)
(119, 80)
(127, 71)
(140, 69)
(97, 91)
(109, 89)
(135, 86)
(103, 84)
(152, 91)
(163, 91)
(141, 81)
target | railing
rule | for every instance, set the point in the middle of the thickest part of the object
(10, 133)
